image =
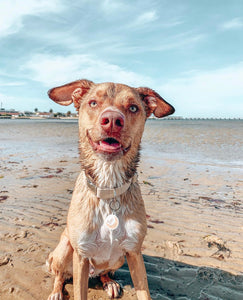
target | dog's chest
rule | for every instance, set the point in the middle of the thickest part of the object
(104, 244)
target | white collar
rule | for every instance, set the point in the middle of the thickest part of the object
(106, 193)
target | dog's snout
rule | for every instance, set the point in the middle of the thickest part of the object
(112, 121)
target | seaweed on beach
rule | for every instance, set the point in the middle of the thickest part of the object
(3, 198)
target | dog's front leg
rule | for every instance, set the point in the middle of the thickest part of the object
(80, 276)
(138, 274)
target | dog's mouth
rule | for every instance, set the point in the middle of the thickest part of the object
(108, 145)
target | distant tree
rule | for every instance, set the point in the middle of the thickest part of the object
(36, 110)
(69, 113)
(51, 111)
(59, 114)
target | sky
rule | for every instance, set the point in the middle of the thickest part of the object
(190, 52)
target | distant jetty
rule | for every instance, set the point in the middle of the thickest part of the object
(182, 118)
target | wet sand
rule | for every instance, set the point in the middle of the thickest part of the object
(193, 249)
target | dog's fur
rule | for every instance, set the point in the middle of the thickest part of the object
(87, 247)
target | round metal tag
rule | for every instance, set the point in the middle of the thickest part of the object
(111, 222)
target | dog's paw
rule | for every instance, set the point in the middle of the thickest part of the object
(112, 288)
(55, 296)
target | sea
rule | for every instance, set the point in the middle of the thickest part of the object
(218, 142)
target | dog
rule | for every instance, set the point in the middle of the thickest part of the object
(106, 219)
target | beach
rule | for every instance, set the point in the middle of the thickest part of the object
(191, 179)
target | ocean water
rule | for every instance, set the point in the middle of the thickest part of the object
(217, 142)
(28, 139)
(209, 141)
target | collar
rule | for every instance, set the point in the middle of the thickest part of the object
(105, 193)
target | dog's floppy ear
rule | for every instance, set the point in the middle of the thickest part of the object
(154, 103)
(71, 92)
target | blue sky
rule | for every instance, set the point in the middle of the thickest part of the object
(191, 52)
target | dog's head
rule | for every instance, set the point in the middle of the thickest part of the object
(111, 116)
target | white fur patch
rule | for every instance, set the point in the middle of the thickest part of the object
(132, 233)
(105, 245)
(110, 174)
(87, 244)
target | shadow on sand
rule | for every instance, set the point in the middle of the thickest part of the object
(173, 280)
(169, 279)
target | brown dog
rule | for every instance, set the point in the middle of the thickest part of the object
(106, 219)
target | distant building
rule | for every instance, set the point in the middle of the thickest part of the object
(10, 112)
(44, 114)
(28, 114)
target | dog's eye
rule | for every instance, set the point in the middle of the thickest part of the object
(133, 108)
(92, 103)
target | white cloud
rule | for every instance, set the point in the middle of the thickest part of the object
(52, 70)
(179, 42)
(26, 103)
(145, 18)
(213, 93)
(172, 23)
(12, 12)
(12, 83)
(235, 23)
(8, 101)
(111, 6)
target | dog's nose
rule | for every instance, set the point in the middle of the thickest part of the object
(112, 121)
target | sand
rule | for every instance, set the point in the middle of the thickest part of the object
(193, 249)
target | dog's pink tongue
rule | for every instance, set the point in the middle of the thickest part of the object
(107, 147)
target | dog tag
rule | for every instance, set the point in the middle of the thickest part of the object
(111, 222)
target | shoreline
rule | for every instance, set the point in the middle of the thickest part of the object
(175, 118)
